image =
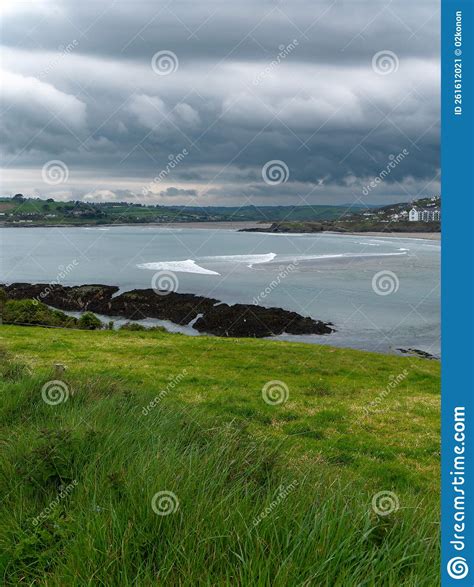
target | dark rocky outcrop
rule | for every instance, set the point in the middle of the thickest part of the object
(255, 321)
(418, 353)
(145, 303)
(80, 298)
(289, 227)
(213, 317)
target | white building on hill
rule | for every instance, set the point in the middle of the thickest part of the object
(417, 215)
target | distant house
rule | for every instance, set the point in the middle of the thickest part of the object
(416, 215)
(413, 215)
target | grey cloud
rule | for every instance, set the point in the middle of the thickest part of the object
(322, 109)
(332, 31)
(172, 192)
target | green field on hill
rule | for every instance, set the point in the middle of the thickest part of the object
(163, 459)
(37, 212)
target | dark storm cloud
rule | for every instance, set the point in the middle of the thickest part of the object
(278, 81)
(213, 29)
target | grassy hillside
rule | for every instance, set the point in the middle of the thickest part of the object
(50, 212)
(259, 492)
(391, 218)
(354, 225)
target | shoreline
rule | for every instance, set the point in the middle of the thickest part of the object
(218, 225)
(204, 316)
(238, 226)
(432, 236)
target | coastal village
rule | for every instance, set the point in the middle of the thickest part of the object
(424, 210)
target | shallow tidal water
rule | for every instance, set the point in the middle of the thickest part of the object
(381, 293)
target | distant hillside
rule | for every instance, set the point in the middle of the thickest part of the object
(21, 210)
(391, 218)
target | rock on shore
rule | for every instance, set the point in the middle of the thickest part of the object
(255, 321)
(210, 315)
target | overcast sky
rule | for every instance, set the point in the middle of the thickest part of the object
(202, 95)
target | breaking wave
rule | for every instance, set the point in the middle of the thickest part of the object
(247, 259)
(188, 266)
(191, 266)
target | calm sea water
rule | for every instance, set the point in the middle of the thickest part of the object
(380, 293)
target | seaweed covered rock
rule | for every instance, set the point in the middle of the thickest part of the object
(205, 314)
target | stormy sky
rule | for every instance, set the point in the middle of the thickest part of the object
(177, 102)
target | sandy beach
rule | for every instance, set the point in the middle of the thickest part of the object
(244, 225)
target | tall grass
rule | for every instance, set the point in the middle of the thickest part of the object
(78, 481)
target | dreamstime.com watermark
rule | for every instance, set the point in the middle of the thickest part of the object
(395, 380)
(385, 62)
(283, 493)
(275, 392)
(282, 275)
(164, 282)
(63, 272)
(164, 62)
(284, 51)
(275, 172)
(164, 503)
(64, 51)
(394, 161)
(385, 283)
(164, 392)
(55, 172)
(65, 492)
(55, 392)
(385, 503)
(457, 566)
(173, 162)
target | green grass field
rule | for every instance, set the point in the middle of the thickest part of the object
(286, 491)
(50, 212)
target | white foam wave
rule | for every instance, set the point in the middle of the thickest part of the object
(291, 234)
(162, 228)
(380, 242)
(249, 260)
(190, 265)
(254, 259)
(187, 266)
(342, 256)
